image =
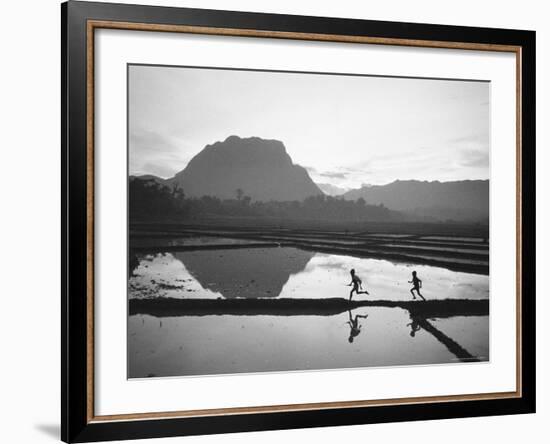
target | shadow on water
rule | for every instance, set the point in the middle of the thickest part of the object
(418, 323)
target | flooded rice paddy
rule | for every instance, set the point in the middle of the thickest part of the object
(208, 344)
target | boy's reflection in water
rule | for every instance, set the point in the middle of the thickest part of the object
(415, 326)
(355, 327)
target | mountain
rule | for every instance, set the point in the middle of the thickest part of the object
(331, 190)
(459, 200)
(261, 168)
(150, 177)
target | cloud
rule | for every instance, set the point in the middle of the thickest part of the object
(471, 141)
(342, 176)
(334, 175)
(364, 168)
(311, 169)
(465, 139)
(144, 141)
(473, 150)
(153, 153)
(474, 158)
(158, 170)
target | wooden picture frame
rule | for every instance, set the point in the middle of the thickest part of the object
(79, 22)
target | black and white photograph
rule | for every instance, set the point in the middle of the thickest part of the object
(292, 221)
(275, 221)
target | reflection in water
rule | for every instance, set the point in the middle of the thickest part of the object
(355, 327)
(327, 274)
(290, 273)
(415, 326)
(210, 345)
(225, 344)
(245, 273)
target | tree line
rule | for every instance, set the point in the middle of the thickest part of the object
(150, 200)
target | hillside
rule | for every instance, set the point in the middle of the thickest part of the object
(260, 168)
(458, 200)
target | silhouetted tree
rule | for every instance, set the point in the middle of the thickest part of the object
(239, 193)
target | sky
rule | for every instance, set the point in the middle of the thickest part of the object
(347, 131)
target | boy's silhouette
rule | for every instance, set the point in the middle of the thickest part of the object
(357, 284)
(417, 284)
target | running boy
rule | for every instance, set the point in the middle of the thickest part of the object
(357, 284)
(417, 284)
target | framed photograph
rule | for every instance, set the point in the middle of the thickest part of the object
(275, 221)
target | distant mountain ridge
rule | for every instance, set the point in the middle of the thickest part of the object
(458, 200)
(263, 170)
(150, 177)
(332, 190)
(260, 168)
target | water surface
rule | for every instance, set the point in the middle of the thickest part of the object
(365, 337)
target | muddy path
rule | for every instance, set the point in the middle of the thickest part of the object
(169, 307)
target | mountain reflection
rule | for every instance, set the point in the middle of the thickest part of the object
(245, 273)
